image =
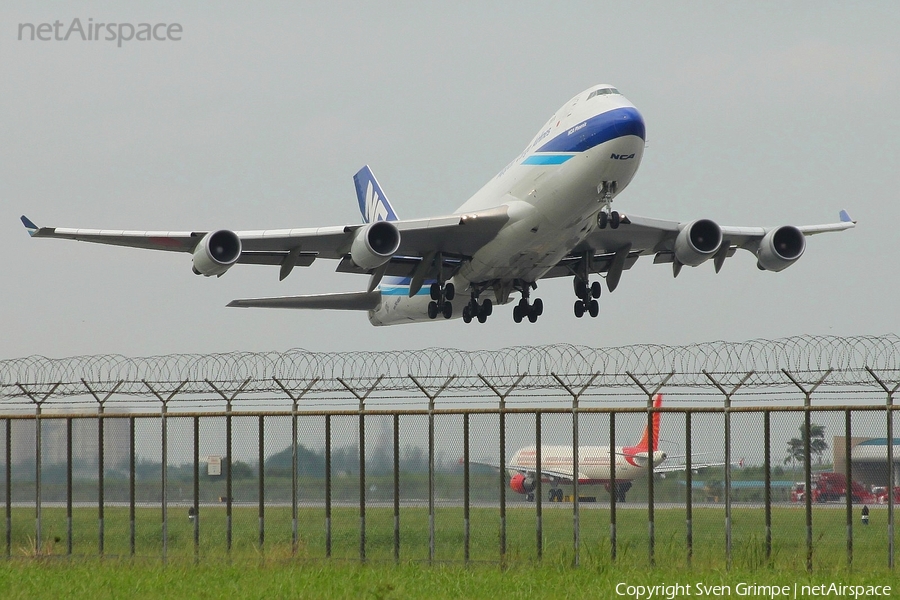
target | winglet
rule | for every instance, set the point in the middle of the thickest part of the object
(29, 225)
(845, 217)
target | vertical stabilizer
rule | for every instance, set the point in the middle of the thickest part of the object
(644, 444)
(373, 204)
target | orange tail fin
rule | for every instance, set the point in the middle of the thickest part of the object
(644, 444)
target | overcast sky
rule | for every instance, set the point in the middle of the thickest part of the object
(756, 114)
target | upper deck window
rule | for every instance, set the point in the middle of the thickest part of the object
(603, 92)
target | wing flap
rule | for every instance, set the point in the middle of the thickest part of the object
(337, 301)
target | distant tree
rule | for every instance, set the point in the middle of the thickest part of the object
(817, 445)
(308, 462)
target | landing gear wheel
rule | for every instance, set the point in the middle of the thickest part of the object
(532, 316)
(529, 497)
(602, 219)
(538, 306)
(487, 307)
(614, 219)
(594, 308)
(447, 310)
(432, 310)
(435, 292)
(449, 291)
(580, 287)
(517, 313)
(596, 289)
(579, 308)
(467, 314)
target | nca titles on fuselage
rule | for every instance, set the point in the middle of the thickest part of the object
(620, 156)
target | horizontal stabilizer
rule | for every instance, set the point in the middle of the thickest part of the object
(339, 301)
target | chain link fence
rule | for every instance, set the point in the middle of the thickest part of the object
(791, 465)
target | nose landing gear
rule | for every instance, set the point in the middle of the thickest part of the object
(607, 215)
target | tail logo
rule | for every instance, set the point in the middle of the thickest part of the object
(375, 208)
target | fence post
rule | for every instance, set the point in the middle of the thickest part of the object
(613, 486)
(576, 500)
(889, 409)
(228, 440)
(689, 487)
(131, 487)
(767, 462)
(262, 488)
(69, 540)
(651, 442)
(362, 461)
(101, 499)
(8, 475)
(503, 472)
(848, 495)
(728, 396)
(295, 400)
(396, 445)
(165, 459)
(328, 485)
(196, 489)
(37, 460)
(538, 501)
(807, 465)
(431, 399)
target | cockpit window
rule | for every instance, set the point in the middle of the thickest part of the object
(603, 92)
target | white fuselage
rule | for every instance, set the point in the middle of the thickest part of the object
(552, 194)
(593, 462)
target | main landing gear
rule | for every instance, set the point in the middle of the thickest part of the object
(473, 310)
(525, 309)
(607, 215)
(587, 297)
(441, 295)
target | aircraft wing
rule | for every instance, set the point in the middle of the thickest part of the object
(677, 467)
(561, 476)
(612, 251)
(457, 236)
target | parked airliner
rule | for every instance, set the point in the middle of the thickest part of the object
(547, 214)
(594, 465)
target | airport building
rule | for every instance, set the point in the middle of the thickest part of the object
(869, 457)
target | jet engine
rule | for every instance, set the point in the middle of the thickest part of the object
(697, 242)
(216, 252)
(374, 244)
(780, 248)
(521, 484)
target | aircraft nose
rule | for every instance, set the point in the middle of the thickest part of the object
(630, 122)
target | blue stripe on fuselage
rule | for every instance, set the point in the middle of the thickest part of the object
(401, 290)
(612, 124)
(547, 159)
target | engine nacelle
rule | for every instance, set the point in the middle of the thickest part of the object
(216, 252)
(374, 244)
(698, 242)
(780, 248)
(521, 484)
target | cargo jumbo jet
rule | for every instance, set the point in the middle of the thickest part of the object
(594, 465)
(548, 213)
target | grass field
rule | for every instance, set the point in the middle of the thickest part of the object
(273, 571)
